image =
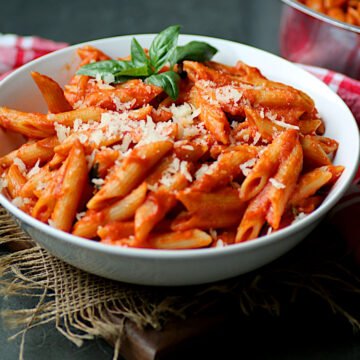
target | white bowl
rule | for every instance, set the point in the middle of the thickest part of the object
(185, 267)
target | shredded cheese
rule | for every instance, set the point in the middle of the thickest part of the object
(277, 183)
(227, 94)
(184, 170)
(256, 138)
(98, 182)
(247, 166)
(52, 223)
(80, 215)
(3, 184)
(20, 164)
(204, 169)
(273, 118)
(213, 234)
(299, 217)
(62, 132)
(35, 170)
(20, 202)
(220, 243)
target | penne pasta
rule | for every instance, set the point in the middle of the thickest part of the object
(267, 164)
(28, 124)
(122, 210)
(211, 115)
(52, 93)
(221, 209)
(224, 170)
(31, 152)
(314, 180)
(74, 180)
(190, 239)
(130, 173)
(314, 154)
(283, 184)
(157, 204)
(15, 180)
(193, 155)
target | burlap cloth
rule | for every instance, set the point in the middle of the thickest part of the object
(83, 306)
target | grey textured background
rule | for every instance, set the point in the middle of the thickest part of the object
(254, 22)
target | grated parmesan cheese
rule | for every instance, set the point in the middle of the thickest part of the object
(19, 201)
(20, 164)
(108, 78)
(80, 215)
(277, 184)
(227, 94)
(187, 147)
(220, 243)
(247, 166)
(204, 168)
(153, 187)
(3, 184)
(52, 223)
(98, 182)
(152, 132)
(62, 132)
(120, 106)
(90, 159)
(40, 186)
(184, 115)
(256, 138)
(96, 137)
(273, 118)
(126, 141)
(262, 113)
(213, 234)
(78, 104)
(167, 177)
(205, 84)
(83, 138)
(299, 217)
(35, 170)
(246, 137)
(184, 170)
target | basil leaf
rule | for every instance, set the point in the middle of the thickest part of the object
(163, 44)
(138, 56)
(134, 71)
(121, 79)
(194, 50)
(168, 80)
(121, 70)
(103, 68)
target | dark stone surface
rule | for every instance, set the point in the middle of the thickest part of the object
(253, 22)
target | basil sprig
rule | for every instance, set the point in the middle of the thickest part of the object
(163, 50)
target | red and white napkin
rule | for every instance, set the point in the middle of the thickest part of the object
(17, 50)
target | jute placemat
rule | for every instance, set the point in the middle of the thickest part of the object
(84, 306)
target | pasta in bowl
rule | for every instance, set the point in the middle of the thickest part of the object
(215, 156)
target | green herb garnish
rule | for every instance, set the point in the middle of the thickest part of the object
(163, 50)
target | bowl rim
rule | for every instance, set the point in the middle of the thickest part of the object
(320, 16)
(159, 254)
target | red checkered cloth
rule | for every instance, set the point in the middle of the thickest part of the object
(17, 50)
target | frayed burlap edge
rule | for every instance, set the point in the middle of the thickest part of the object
(84, 306)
